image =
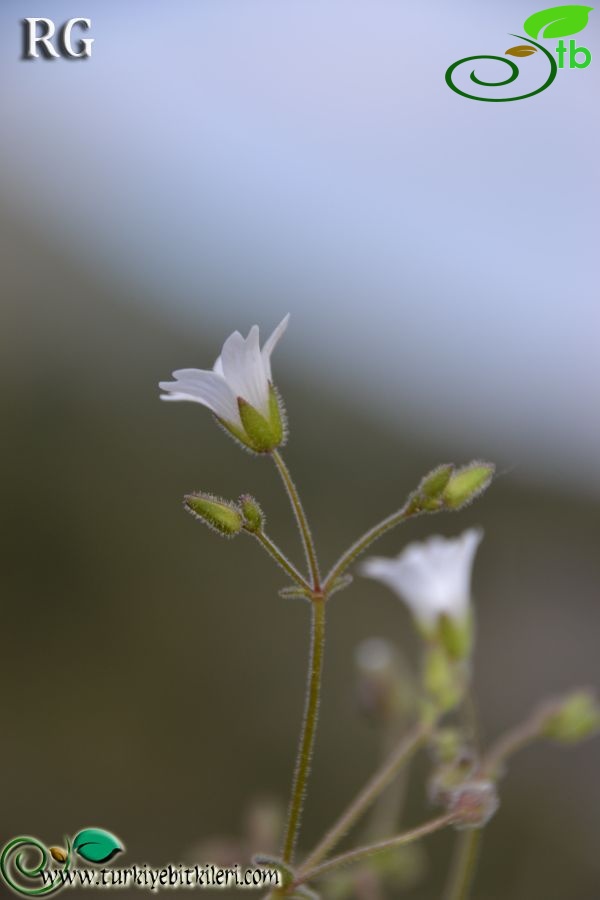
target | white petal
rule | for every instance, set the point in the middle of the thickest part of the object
(271, 343)
(243, 369)
(432, 577)
(208, 388)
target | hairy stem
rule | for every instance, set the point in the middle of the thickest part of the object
(353, 856)
(370, 792)
(519, 737)
(280, 558)
(464, 865)
(309, 726)
(368, 538)
(307, 539)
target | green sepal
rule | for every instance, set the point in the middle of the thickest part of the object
(442, 679)
(220, 515)
(434, 483)
(253, 515)
(260, 434)
(467, 483)
(456, 636)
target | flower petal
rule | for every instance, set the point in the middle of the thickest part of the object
(271, 343)
(243, 369)
(208, 388)
(432, 577)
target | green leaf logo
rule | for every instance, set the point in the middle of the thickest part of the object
(96, 845)
(558, 21)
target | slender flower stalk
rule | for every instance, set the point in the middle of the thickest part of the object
(307, 538)
(373, 788)
(309, 726)
(353, 856)
(368, 538)
(464, 865)
(282, 560)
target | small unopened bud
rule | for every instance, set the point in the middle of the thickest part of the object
(219, 514)
(253, 515)
(467, 483)
(473, 804)
(577, 719)
(58, 854)
(429, 494)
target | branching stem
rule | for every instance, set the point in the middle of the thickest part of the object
(280, 558)
(373, 788)
(353, 856)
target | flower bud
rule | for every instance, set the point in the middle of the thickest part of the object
(578, 718)
(220, 515)
(429, 495)
(467, 483)
(58, 854)
(473, 804)
(252, 513)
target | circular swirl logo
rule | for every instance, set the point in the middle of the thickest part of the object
(556, 22)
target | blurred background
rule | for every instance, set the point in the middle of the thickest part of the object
(217, 164)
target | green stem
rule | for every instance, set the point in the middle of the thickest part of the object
(353, 856)
(519, 737)
(465, 863)
(373, 788)
(309, 726)
(368, 538)
(307, 539)
(280, 558)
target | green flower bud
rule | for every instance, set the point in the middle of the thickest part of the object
(222, 516)
(467, 483)
(252, 513)
(577, 719)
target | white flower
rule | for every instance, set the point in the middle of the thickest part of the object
(238, 386)
(433, 577)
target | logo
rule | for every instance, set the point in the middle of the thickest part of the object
(92, 844)
(31, 869)
(556, 22)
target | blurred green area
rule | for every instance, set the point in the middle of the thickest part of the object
(152, 678)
